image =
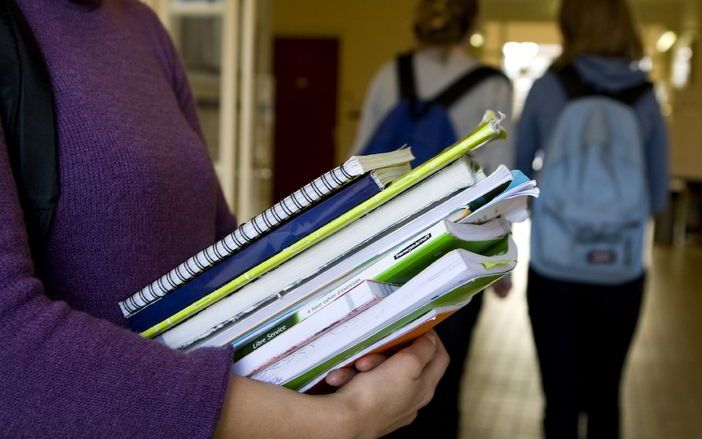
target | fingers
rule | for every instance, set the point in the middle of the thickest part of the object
(340, 377)
(417, 355)
(437, 366)
(502, 287)
(369, 362)
(431, 375)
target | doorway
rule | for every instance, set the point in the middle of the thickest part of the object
(306, 77)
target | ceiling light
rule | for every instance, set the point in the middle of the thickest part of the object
(477, 40)
(666, 41)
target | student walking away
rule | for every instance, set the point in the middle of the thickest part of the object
(429, 98)
(432, 96)
(102, 196)
(595, 119)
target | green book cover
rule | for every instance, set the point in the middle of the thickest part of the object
(488, 129)
(408, 267)
(403, 264)
(458, 295)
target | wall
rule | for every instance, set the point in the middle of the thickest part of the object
(370, 32)
(686, 148)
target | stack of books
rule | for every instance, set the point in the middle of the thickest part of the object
(363, 259)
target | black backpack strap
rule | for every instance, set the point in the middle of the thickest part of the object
(572, 83)
(464, 84)
(631, 95)
(405, 74)
(575, 87)
(28, 121)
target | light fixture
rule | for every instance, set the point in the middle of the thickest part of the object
(477, 40)
(521, 54)
(666, 41)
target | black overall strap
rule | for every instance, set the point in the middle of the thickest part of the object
(575, 87)
(445, 98)
(464, 84)
(28, 122)
(405, 74)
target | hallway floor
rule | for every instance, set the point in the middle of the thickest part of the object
(662, 394)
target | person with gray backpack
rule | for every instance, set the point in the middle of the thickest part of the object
(594, 120)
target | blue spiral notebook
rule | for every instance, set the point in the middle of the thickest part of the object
(258, 251)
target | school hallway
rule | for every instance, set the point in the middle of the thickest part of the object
(662, 393)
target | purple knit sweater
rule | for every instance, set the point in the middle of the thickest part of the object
(138, 196)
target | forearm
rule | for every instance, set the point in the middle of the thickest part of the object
(254, 409)
(372, 404)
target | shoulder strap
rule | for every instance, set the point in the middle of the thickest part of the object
(575, 87)
(465, 83)
(28, 121)
(405, 74)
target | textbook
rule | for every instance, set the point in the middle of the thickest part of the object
(298, 201)
(510, 204)
(395, 340)
(282, 306)
(399, 265)
(454, 177)
(452, 279)
(266, 246)
(281, 342)
(488, 129)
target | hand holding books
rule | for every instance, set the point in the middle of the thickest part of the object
(371, 405)
(376, 273)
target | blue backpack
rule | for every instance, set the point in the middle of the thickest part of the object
(588, 224)
(424, 125)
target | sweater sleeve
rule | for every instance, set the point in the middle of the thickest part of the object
(68, 374)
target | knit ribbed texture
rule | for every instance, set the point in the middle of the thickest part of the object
(138, 196)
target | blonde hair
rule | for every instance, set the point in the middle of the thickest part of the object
(444, 22)
(598, 27)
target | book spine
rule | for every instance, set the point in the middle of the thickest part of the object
(453, 279)
(415, 244)
(403, 263)
(245, 348)
(335, 250)
(289, 341)
(256, 252)
(487, 131)
(280, 308)
(324, 362)
(247, 344)
(247, 232)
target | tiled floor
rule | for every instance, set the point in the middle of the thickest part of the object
(662, 395)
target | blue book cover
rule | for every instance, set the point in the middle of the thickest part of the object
(258, 251)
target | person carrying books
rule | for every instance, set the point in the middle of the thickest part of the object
(137, 194)
(427, 98)
(595, 119)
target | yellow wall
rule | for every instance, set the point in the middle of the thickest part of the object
(370, 32)
(686, 150)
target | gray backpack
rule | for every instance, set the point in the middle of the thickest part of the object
(588, 224)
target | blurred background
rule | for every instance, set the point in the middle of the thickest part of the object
(280, 85)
